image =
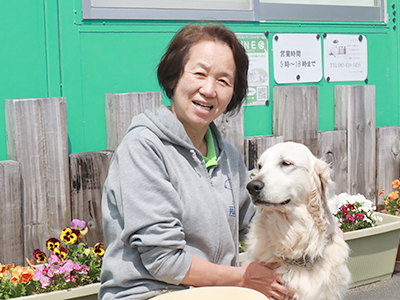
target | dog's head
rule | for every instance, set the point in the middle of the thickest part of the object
(290, 175)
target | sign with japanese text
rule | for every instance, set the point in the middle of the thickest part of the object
(345, 57)
(297, 58)
(256, 46)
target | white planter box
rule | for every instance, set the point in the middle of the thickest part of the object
(374, 250)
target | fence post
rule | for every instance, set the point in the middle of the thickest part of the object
(388, 158)
(38, 140)
(232, 129)
(121, 108)
(88, 171)
(295, 114)
(332, 148)
(11, 234)
(355, 112)
(256, 145)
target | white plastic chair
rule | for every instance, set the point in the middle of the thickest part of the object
(213, 293)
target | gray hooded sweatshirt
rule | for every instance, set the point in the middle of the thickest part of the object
(161, 206)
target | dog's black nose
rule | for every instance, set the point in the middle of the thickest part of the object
(255, 186)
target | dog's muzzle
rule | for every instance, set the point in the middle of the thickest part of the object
(255, 187)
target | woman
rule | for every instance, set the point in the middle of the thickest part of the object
(175, 199)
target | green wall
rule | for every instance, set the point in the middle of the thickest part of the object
(22, 56)
(48, 51)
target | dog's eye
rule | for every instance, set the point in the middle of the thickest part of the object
(286, 163)
(259, 166)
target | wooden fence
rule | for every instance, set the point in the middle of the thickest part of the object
(42, 188)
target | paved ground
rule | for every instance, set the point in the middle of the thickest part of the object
(383, 290)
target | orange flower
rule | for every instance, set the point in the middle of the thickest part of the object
(396, 183)
(6, 267)
(21, 274)
(30, 264)
(3, 271)
(381, 192)
(3, 268)
(17, 272)
(14, 280)
(27, 275)
(394, 195)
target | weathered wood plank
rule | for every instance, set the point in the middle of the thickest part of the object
(11, 233)
(232, 129)
(256, 145)
(388, 159)
(295, 114)
(121, 108)
(355, 112)
(38, 140)
(88, 171)
(332, 148)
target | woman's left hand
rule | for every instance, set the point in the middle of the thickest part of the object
(263, 278)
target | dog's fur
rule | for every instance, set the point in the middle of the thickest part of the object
(294, 225)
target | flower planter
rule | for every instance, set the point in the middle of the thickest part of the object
(397, 264)
(87, 292)
(374, 250)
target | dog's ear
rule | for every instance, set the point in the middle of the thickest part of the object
(323, 176)
(322, 190)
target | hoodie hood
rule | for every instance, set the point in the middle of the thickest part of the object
(167, 127)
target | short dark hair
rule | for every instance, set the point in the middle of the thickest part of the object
(172, 64)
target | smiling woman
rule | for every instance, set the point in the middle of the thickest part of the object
(211, 77)
(173, 62)
(175, 199)
(204, 90)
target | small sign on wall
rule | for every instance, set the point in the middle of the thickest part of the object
(297, 58)
(256, 46)
(345, 57)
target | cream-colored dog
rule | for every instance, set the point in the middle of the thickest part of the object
(294, 225)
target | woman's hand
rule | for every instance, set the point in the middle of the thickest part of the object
(255, 275)
(262, 277)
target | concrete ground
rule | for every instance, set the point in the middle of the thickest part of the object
(382, 290)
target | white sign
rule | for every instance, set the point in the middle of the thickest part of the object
(345, 57)
(297, 58)
(256, 46)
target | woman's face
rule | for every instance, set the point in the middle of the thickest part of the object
(206, 86)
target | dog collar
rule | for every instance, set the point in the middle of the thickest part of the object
(306, 262)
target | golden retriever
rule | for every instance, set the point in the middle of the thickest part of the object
(294, 225)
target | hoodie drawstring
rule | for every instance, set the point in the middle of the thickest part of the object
(195, 157)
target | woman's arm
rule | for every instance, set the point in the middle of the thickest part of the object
(255, 275)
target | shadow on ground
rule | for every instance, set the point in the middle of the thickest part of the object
(383, 290)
